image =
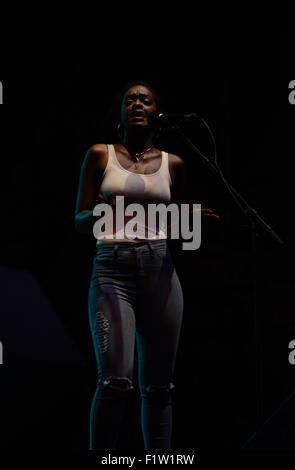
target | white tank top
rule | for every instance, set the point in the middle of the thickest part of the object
(154, 188)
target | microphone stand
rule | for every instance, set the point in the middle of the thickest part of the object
(256, 225)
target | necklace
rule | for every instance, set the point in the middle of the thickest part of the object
(140, 154)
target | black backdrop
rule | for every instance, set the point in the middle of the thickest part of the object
(230, 65)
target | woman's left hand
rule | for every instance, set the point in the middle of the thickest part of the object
(208, 213)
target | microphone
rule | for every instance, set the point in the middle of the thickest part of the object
(158, 118)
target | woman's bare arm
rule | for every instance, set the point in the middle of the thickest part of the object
(90, 180)
(177, 173)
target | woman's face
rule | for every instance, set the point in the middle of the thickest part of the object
(138, 103)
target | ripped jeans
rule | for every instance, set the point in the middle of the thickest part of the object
(134, 297)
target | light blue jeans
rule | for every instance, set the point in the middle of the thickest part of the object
(134, 297)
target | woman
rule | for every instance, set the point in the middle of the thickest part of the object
(135, 294)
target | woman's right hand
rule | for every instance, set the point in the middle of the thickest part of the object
(110, 199)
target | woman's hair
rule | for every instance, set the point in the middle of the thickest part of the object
(113, 115)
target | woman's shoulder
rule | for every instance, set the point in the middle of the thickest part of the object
(176, 167)
(97, 155)
(98, 150)
(175, 160)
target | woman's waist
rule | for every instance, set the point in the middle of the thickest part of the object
(127, 243)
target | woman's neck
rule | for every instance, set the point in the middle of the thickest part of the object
(137, 143)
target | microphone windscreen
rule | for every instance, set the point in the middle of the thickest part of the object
(154, 118)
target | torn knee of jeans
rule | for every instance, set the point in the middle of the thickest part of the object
(121, 384)
(158, 392)
(101, 331)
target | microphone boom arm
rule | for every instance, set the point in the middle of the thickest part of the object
(252, 216)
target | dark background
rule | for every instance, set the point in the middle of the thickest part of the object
(231, 65)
